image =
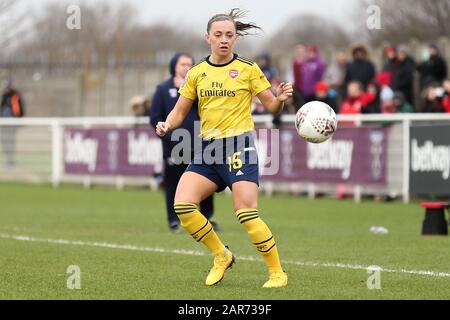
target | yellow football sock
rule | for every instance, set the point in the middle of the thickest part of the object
(261, 237)
(198, 226)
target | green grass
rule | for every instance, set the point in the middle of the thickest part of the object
(320, 231)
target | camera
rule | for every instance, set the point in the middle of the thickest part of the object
(439, 92)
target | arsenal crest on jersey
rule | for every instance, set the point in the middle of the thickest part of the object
(234, 73)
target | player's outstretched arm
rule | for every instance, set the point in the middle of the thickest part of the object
(275, 104)
(175, 117)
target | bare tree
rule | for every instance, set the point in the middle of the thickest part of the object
(12, 22)
(109, 35)
(309, 29)
(402, 20)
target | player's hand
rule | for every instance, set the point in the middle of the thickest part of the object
(162, 128)
(284, 91)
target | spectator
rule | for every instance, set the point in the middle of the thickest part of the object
(434, 69)
(387, 100)
(384, 79)
(265, 64)
(335, 76)
(297, 70)
(402, 67)
(401, 104)
(164, 101)
(11, 106)
(446, 100)
(434, 96)
(375, 106)
(313, 71)
(326, 95)
(391, 56)
(356, 100)
(391, 64)
(140, 106)
(361, 69)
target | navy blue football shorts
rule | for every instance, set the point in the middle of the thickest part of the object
(227, 161)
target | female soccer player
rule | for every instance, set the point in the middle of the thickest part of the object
(224, 83)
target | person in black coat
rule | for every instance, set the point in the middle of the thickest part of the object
(402, 67)
(163, 102)
(434, 69)
(361, 69)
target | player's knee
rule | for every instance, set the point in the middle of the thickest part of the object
(182, 208)
(245, 203)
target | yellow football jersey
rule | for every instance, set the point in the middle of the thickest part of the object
(225, 95)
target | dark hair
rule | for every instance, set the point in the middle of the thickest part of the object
(233, 16)
(359, 48)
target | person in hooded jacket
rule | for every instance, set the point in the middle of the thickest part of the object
(163, 102)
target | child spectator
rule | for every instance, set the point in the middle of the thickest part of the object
(375, 106)
(387, 100)
(384, 79)
(326, 95)
(356, 100)
(401, 104)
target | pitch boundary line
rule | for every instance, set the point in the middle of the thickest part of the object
(198, 253)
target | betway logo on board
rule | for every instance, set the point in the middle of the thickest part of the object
(331, 155)
(143, 150)
(80, 150)
(430, 158)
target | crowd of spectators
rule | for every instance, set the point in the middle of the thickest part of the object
(353, 85)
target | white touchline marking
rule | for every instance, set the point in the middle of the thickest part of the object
(198, 253)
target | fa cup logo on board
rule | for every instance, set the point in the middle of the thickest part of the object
(234, 73)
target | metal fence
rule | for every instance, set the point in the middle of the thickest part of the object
(32, 150)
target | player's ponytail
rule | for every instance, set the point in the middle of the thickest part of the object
(234, 16)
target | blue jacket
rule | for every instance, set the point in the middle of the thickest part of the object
(164, 100)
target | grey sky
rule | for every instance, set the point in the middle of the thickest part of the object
(269, 14)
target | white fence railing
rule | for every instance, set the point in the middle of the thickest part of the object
(32, 151)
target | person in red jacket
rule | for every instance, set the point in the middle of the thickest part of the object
(356, 99)
(446, 100)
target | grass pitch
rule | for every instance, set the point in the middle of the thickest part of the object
(120, 242)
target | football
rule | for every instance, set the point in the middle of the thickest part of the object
(316, 122)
